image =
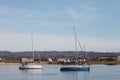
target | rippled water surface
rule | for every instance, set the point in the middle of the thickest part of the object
(52, 72)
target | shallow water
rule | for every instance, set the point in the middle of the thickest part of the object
(52, 72)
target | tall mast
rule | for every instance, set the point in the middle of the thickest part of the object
(76, 43)
(32, 47)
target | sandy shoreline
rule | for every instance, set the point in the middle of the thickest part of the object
(3, 63)
(9, 63)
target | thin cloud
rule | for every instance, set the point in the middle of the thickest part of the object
(30, 14)
(15, 12)
(100, 44)
(82, 12)
(15, 41)
(86, 7)
(73, 13)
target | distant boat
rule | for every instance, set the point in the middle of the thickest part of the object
(29, 63)
(30, 66)
(75, 67)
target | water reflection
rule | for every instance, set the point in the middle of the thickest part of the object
(72, 75)
(75, 75)
(52, 72)
(31, 74)
(35, 71)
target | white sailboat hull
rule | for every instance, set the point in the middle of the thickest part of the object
(26, 62)
(30, 66)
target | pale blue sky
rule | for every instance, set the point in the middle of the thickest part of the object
(95, 20)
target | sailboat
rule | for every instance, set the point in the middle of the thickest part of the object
(29, 63)
(75, 67)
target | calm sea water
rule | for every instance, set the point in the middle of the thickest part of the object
(52, 72)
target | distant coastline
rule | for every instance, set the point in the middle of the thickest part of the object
(110, 58)
(91, 63)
